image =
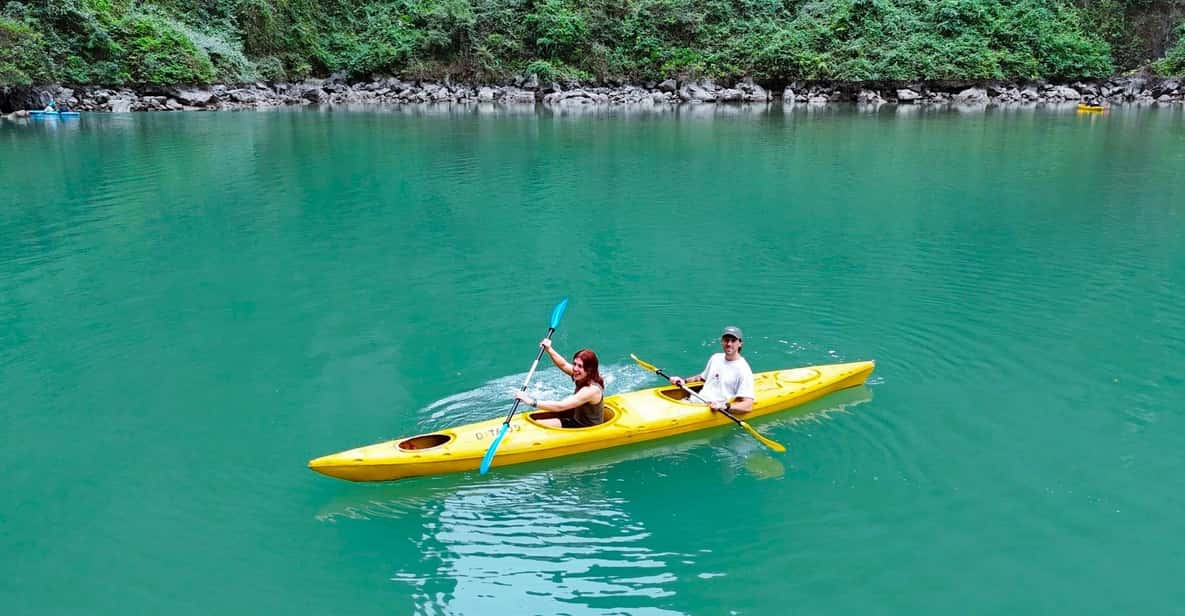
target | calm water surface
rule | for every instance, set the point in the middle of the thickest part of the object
(193, 305)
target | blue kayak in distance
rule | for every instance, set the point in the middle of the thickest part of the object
(53, 114)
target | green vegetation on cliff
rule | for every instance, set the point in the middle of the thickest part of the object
(1174, 61)
(202, 41)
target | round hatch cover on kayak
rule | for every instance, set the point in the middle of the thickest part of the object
(426, 441)
(798, 375)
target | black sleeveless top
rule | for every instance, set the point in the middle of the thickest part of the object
(586, 415)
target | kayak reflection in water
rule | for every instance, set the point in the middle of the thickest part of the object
(586, 406)
(728, 379)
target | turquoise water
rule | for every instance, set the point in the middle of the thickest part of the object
(193, 305)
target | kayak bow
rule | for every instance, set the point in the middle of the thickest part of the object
(53, 114)
(631, 417)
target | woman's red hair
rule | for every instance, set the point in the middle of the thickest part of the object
(592, 369)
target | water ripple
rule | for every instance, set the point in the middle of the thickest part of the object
(193, 305)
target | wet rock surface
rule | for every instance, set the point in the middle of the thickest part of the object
(529, 90)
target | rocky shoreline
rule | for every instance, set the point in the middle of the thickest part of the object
(529, 91)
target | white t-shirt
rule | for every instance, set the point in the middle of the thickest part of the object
(725, 380)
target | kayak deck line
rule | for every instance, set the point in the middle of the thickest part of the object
(630, 417)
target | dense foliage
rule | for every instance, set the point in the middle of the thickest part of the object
(202, 41)
(22, 59)
(1174, 61)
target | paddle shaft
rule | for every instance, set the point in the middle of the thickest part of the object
(774, 445)
(542, 350)
(690, 391)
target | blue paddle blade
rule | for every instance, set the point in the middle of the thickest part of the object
(558, 312)
(489, 457)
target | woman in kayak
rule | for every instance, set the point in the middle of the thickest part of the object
(586, 406)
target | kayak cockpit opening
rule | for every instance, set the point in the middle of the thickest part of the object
(609, 415)
(678, 395)
(424, 441)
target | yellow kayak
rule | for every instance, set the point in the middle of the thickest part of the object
(631, 417)
(1084, 107)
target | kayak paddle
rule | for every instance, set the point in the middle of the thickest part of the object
(772, 444)
(556, 313)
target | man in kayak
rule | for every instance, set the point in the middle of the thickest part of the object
(586, 406)
(728, 379)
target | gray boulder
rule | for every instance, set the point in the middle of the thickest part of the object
(1165, 87)
(575, 97)
(198, 97)
(971, 96)
(517, 96)
(729, 95)
(869, 97)
(1064, 93)
(906, 95)
(313, 95)
(752, 92)
(996, 90)
(244, 96)
(698, 92)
